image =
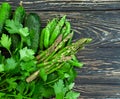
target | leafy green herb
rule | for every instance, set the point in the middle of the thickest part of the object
(26, 54)
(10, 64)
(5, 41)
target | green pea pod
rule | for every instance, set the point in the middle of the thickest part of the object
(63, 31)
(34, 24)
(5, 11)
(68, 28)
(46, 37)
(19, 14)
(41, 43)
(57, 30)
(51, 25)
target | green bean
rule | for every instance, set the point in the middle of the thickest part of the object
(68, 28)
(52, 24)
(42, 39)
(63, 30)
(57, 30)
(46, 37)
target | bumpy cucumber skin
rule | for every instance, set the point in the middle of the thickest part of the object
(33, 23)
(5, 12)
(19, 14)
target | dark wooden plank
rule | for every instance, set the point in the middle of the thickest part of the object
(67, 5)
(100, 76)
(99, 91)
(100, 61)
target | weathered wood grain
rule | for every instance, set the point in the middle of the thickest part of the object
(67, 5)
(100, 20)
(104, 61)
(100, 76)
(97, 91)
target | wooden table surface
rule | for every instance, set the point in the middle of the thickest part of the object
(97, 19)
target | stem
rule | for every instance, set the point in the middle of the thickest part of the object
(21, 44)
(17, 96)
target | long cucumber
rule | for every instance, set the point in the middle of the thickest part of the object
(5, 11)
(34, 24)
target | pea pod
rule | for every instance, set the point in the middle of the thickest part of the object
(68, 28)
(5, 11)
(51, 25)
(46, 37)
(57, 30)
(41, 43)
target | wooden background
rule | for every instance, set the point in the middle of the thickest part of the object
(100, 20)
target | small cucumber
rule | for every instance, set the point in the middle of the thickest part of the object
(33, 23)
(19, 14)
(5, 11)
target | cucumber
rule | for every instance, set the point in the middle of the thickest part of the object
(19, 14)
(34, 24)
(5, 11)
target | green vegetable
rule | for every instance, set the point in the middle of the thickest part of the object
(33, 23)
(19, 14)
(41, 41)
(5, 11)
(35, 63)
(57, 30)
(46, 37)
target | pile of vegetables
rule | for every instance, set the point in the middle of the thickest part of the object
(35, 62)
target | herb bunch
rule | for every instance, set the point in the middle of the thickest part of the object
(35, 62)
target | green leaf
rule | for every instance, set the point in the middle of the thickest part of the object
(13, 26)
(72, 95)
(43, 74)
(21, 87)
(71, 86)
(60, 89)
(10, 64)
(2, 94)
(26, 54)
(24, 31)
(12, 84)
(28, 65)
(1, 67)
(5, 41)
(19, 96)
